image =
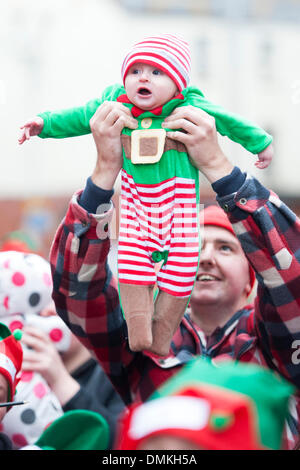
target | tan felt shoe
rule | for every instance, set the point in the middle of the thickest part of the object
(168, 313)
(137, 304)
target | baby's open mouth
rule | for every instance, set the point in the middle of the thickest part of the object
(144, 91)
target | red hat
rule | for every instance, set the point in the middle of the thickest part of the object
(214, 215)
(169, 53)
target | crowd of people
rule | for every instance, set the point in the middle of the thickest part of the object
(225, 380)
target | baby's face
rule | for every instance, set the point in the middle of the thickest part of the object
(148, 87)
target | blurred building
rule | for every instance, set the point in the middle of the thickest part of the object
(61, 53)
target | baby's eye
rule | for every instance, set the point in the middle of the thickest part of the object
(135, 71)
(157, 72)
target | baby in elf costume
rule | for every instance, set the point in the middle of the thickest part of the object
(160, 186)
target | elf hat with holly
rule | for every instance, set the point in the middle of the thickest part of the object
(232, 406)
(74, 430)
(11, 356)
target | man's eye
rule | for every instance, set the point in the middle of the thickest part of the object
(225, 248)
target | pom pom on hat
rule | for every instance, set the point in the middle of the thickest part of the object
(167, 52)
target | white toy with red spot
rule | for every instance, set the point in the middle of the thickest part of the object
(25, 293)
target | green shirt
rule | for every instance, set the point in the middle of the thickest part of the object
(76, 121)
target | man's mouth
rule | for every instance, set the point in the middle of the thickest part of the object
(144, 91)
(206, 278)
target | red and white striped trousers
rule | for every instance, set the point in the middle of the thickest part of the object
(159, 217)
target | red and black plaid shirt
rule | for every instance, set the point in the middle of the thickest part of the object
(86, 297)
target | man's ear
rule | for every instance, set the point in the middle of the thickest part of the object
(248, 289)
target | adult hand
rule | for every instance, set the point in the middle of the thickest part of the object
(106, 126)
(44, 359)
(199, 135)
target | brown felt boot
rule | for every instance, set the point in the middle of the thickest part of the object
(168, 314)
(137, 304)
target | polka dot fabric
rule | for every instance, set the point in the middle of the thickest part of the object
(25, 290)
(25, 423)
(25, 283)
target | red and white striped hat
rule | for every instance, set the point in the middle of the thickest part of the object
(169, 53)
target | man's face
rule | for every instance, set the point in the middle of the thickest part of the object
(223, 275)
(148, 87)
(3, 395)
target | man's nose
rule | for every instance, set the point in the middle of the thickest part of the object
(207, 255)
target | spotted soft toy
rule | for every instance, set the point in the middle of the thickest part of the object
(25, 291)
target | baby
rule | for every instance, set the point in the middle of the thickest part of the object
(160, 186)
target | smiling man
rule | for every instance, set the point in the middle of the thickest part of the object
(220, 323)
(225, 279)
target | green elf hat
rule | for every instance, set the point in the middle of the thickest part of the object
(74, 430)
(232, 406)
(11, 356)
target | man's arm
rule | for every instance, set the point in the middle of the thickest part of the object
(269, 233)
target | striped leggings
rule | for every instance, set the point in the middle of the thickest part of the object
(159, 218)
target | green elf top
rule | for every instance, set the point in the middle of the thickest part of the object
(227, 406)
(75, 121)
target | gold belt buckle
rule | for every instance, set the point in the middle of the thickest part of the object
(147, 145)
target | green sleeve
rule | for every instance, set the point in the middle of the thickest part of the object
(74, 122)
(240, 130)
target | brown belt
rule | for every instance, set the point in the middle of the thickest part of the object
(170, 144)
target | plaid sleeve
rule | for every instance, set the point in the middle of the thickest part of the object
(86, 293)
(270, 236)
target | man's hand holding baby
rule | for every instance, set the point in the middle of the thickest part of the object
(198, 133)
(106, 126)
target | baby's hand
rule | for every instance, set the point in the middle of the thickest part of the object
(30, 128)
(265, 157)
